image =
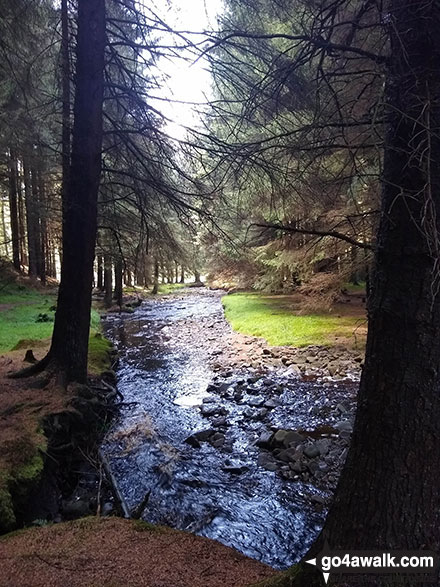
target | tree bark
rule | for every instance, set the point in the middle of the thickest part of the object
(43, 227)
(13, 210)
(100, 273)
(388, 492)
(72, 320)
(155, 289)
(31, 217)
(119, 272)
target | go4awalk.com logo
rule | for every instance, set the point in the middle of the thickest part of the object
(369, 562)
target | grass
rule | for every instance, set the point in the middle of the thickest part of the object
(270, 318)
(355, 287)
(26, 316)
(167, 288)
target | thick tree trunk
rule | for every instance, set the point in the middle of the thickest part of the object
(72, 320)
(389, 489)
(13, 210)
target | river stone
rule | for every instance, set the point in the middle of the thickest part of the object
(266, 461)
(344, 425)
(311, 451)
(292, 438)
(192, 441)
(270, 404)
(296, 466)
(279, 436)
(220, 421)
(234, 468)
(217, 440)
(248, 412)
(264, 439)
(204, 435)
(256, 402)
(287, 455)
(323, 445)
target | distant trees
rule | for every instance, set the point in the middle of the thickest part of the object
(296, 129)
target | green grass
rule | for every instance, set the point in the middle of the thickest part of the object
(167, 288)
(269, 318)
(19, 311)
(20, 308)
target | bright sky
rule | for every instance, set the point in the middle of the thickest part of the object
(187, 82)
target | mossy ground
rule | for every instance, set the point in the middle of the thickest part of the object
(279, 321)
(22, 409)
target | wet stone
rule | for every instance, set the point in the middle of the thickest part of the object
(264, 439)
(217, 440)
(311, 451)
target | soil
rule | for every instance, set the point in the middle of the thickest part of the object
(121, 553)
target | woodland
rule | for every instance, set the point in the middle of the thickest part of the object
(301, 184)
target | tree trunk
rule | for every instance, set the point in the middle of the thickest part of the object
(21, 220)
(155, 289)
(182, 275)
(388, 492)
(4, 229)
(43, 227)
(72, 320)
(13, 210)
(100, 273)
(31, 217)
(119, 272)
(36, 212)
(107, 281)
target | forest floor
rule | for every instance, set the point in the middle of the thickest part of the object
(82, 552)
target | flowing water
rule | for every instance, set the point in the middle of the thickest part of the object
(164, 375)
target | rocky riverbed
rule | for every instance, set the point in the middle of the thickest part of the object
(223, 435)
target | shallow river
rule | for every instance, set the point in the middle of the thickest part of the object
(163, 374)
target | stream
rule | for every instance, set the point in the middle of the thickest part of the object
(173, 390)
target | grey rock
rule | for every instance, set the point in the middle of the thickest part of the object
(287, 455)
(270, 404)
(293, 438)
(204, 435)
(217, 440)
(256, 402)
(220, 421)
(279, 437)
(234, 468)
(344, 425)
(264, 439)
(323, 445)
(311, 451)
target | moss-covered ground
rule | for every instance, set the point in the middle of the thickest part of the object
(26, 322)
(279, 320)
